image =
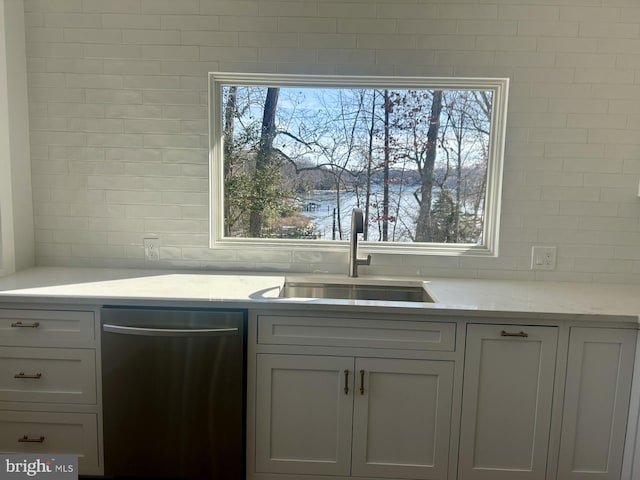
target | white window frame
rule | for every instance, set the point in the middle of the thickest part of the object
(499, 88)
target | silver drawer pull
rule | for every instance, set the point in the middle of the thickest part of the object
(514, 334)
(28, 439)
(27, 375)
(25, 325)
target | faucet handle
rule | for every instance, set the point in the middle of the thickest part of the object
(364, 261)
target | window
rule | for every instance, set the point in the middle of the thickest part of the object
(292, 155)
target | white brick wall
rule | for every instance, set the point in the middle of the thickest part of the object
(118, 107)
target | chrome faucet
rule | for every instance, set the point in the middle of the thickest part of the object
(357, 226)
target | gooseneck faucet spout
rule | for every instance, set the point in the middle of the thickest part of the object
(357, 226)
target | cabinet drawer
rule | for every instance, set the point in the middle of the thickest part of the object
(47, 375)
(52, 433)
(356, 332)
(34, 327)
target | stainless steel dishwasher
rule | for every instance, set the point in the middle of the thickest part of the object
(173, 385)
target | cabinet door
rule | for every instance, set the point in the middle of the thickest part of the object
(304, 414)
(402, 417)
(507, 398)
(596, 404)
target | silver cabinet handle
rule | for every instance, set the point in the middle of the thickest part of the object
(27, 375)
(28, 439)
(25, 325)
(170, 332)
(514, 334)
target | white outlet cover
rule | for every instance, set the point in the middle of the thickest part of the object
(151, 248)
(543, 258)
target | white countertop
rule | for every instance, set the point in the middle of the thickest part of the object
(102, 286)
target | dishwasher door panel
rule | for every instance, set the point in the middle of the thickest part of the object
(173, 404)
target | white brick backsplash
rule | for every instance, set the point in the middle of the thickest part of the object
(39, 34)
(247, 8)
(152, 211)
(142, 169)
(605, 30)
(77, 20)
(119, 20)
(286, 55)
(125, 197)
(408, 10)
(76, 110)
(553, 44)
(66, 50)
(586, 60)
(369, 25)
(92, 35)
(387, 41)
(96, 125)
(421, 26)
(184, 112)
(118, 106)
(170, 6)
(112, 6)
(585, 120)
(176, 52)
(134, 154)
(626, 182)
(133, 111)
(190, 22)
(114, 140)
(587, 14)
(529, 12)
(95, 168)
(248, 24)
(171, 141)
(286, 9)
(152, 126)
(498, 44)
(53, 6)
(118, 52)
(169, 97)
(162, 224)
(216, 39)
(632, 166)
(339, 56)
(151, 37)
(72, 65)
(222, 54)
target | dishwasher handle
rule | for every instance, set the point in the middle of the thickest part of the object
(170, 332)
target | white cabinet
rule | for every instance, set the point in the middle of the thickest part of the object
(401, 398)
(49, 393)
(313, 411)
(304, 414)
(401, 419)
(352, 408)
(598, 386)
(508, 395)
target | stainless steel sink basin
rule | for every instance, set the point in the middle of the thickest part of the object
(356, 291)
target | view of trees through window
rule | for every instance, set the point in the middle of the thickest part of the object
(297, 160)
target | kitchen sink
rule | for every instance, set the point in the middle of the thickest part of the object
(357, 291)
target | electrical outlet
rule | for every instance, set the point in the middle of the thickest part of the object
(543, 258)
(151, 249)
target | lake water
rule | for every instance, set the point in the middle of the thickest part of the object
(320, 206)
